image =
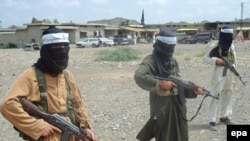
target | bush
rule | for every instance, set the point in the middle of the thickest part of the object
(8, 45)
(202, 53)
(119, 54)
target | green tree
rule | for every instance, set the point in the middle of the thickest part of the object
(124, 23)
(142, 18)
(55, 21)
(34, 20)
(13, 27)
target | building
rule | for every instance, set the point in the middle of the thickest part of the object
(146, 33)
(212, 27)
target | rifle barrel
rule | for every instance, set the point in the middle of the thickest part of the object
(232, 69)
(187, 84)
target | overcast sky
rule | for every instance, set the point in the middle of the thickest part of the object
(19, 12)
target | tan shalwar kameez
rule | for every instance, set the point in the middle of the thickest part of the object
(26, 85)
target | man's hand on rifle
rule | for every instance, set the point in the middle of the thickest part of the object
(50, 130)
(91, 134)
(219, 62)
(199, 91)
(166, 85)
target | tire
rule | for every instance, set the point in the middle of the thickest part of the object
(81, 46)
(94, 45)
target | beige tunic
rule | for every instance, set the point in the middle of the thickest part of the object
(26, 85)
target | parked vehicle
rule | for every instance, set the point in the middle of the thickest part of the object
(180, 35)
(106, 42)
(204, 37)
(191, 40)
(183, 39)
(120, 40)
(94, 42)
(32, 46)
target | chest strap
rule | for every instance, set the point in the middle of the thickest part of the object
(43, 105)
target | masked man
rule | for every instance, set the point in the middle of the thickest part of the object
(52, 88)
(222, 82)
(168, 121)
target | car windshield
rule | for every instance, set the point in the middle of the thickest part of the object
(103, 39)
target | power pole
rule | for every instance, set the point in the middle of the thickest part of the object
(240, 35)
(241, 19)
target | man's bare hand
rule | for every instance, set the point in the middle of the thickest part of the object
(219, 62)
(199, 91)
(91, 134)
(50, 130)
(166, 85)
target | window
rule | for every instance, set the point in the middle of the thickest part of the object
(83, 34)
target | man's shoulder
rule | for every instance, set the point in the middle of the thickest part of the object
(28, 74)
(68, 74)
(148, 58)
(29, 71)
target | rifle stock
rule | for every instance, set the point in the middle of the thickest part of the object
(67, 128)
(230, 66)
(186, 84)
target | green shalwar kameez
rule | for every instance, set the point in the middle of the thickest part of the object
(167, 114)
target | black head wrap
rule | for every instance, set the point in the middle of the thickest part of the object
(53, 60)
(225, 39)
(224, 43)
(163, 52)
(164, 44)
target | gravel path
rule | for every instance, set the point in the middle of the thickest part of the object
(118, 108)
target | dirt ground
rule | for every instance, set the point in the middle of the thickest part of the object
(117, 107)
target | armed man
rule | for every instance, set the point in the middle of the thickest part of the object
(52, 88)
(168, 119)
(223, 80)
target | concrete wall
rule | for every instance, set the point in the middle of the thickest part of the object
(7, 37)
(26, 36)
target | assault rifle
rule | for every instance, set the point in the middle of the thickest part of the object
(67, 128)
(230, 66)
(188, 85)
(185, 84)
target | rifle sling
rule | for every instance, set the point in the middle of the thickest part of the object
(42, 104)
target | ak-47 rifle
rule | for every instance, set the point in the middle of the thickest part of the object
(67, 128)
(230, 66)
(188, 85)
(185, 84)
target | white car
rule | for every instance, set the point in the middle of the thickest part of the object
(94, 42)
(106, 42)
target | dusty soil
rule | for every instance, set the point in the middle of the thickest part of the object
(117, 107)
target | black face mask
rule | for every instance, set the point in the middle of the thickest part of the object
(60, 56)
(225, 41)
(163, 51)
(53, 60)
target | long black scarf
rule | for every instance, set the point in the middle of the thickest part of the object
(53, 60)
(164, 68)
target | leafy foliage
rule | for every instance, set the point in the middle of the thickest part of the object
(119, 54)
(124, 23)
(8, 45)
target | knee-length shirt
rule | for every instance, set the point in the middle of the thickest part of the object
(166, 111)
(26, 85)
(218, 81)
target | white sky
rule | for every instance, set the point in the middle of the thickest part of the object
(19, 12)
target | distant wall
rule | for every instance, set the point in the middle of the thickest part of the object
(8, 37)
